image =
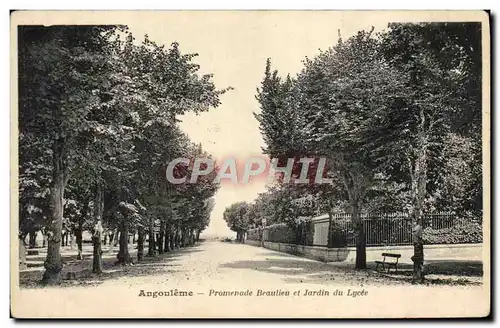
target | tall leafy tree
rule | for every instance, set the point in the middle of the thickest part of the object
(93, 109)
(237, 220)
(441, 67)
(59, 81)
(333, 102)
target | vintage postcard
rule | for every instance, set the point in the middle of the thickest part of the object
(250, 164)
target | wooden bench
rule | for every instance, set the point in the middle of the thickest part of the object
(389, 264)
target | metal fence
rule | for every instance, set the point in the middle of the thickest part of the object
(379, 229)
(385, 229)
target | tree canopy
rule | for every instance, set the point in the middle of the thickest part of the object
(98, 114)
(396, 114)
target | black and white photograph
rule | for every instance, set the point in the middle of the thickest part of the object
(250, 164)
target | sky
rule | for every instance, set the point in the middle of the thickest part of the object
(234, 47)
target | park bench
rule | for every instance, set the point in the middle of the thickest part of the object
(389, 263)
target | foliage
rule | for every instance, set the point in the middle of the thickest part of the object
(98, 114)
(397, 115)
(236, 218)
(255, 234)
(281, 233)
(303, 234)
(467, 230)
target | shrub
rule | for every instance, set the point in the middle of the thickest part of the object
(340, 236)
(307, 236)
(281, 233)
(254, 234)
(464, 232)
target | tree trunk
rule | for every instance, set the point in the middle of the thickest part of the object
(79, 243)
(172, 238)
(116, 238)
(53, 263)
(96, 251)
(151, 248)
(183, 238)
(418, 255)
(356, 185)
(360, 237)
(198, 235)
(113, 239)
(161, 237)
(32, 239)
(44, 239)
(140, 243)
(177, 238)
(418, 191)
(97, 230)
(123, 255)
(79, 231)
(166, 246)
(22, 254)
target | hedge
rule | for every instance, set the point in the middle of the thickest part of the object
(282, 233)
(254, 234)
(467, 232)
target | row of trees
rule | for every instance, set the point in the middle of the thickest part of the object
(397, 114)
(98, 114)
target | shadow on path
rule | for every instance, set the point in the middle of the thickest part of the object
(79, 272)
(296, 270)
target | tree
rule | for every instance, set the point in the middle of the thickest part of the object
(236, 219)
(154, 86)
(78, 208)
(59, 81)
(90, 104)
(331, 102)
(440, 64)
(34, 182)
(277, 119)
(392, 113)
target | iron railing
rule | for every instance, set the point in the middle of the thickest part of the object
(384, 229)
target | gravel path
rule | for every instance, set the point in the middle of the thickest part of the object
(216, 279)
(214, 263)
